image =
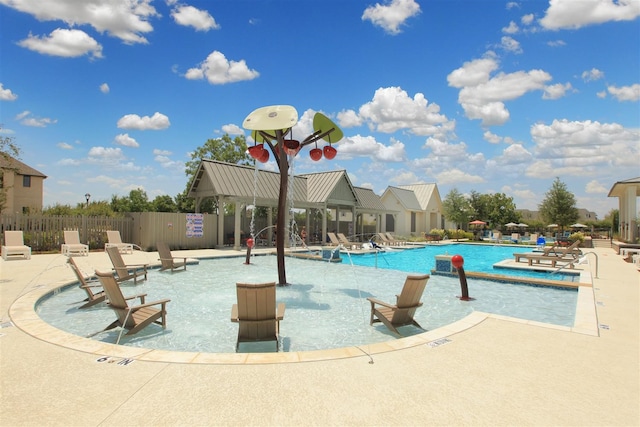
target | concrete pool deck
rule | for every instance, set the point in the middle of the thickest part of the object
(484, 370)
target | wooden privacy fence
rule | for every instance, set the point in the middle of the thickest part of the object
(45, 233)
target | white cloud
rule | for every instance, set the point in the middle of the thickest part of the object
(391, 109)
(527, 19)
(592, 75)
(124, 19)
(64, 43)
(106, 153)
(218, 70)
(349, 118)
(491, 137)
(25, 119)
(482, 95)
(556, 43)
(189, 16)
(232, 129)
(511, 29)
(556, 91)
(64, 146)
(510, 44)
(367, 146)
(456, 176)
(133, 121)
(594, 187)
(572, 14)
(104, 88)
(125, 140)
(6, 94)
(625, 93)
(392, 16)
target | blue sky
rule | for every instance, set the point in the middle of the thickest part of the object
(493, 96)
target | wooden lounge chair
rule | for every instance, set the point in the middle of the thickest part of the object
(400, 314)
(14, 245)
(256, 313)
(345, 242)
(114, 239)
(334, 239)
(168, 260)
(133, 318)
(383, 239)
(72, 244)
(552, 254)
(395, 241)
(126, 271)
(88, 284)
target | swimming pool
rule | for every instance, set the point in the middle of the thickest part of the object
(479, 258)
(326, 305)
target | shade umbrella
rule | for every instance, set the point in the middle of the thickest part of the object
(552, 226)
(511, 224)
(578, 225)
(522, 225)
(477, 222)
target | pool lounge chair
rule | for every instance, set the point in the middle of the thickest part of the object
(395, 241)
(88, 284)
(343, 239)
(133, 318)
(384, 240)
(126, 271)
(552, 254)
(168, 260)
(14, 245)
(115, 240)
(72, 244)
(400, 314)
(256, 313)
(333, 239)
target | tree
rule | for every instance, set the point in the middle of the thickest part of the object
(8, 150)
(222, 149)
(559, 205)
(502, 210)
(457, 208)
(164, 203)
(137, 201)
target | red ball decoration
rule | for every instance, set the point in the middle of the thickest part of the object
(329, 152)
(264, 157)
(250, 243)
(315, 154)
(457, 261)
(256, 151)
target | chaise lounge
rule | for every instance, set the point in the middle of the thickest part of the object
(14, 245)
(116, 240)
(552, 255)
(72, 244)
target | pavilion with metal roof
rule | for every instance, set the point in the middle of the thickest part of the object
(627, 192)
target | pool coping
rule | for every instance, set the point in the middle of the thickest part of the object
(23, 315)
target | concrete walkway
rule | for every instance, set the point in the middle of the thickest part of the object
(499, 372)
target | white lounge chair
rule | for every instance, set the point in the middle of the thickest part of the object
(72, 244)
(116, 241)
(14, 245)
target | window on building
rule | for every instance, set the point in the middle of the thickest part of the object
(413, 222)
(26, 180)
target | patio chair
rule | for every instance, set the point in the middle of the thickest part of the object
(126, 271)
(132, 318)
(344, 241)
(383, 239)
(168, 260)
(256, 313)
(72, 244)
(87, 284)
(401, 313)
(114, 239)
(334, 240)
(14, 245)
(395, 241)
(552, 254)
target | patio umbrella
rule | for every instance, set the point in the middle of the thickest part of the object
(552, 226)
(511, 224)
(578, 225)
(477, 222)
(522, 225)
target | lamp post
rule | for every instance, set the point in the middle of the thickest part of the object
(87, 196)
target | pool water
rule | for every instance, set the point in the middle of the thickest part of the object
(478, 258)
(326, 305)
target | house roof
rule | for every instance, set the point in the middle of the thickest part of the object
(423, 192)
(8, 162)
(331, 187)
(619, 188)
(406, 197)
(369, 201)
